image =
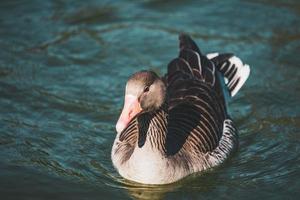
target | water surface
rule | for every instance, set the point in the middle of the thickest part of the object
(63, 67)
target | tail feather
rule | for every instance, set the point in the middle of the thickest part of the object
(234, 71)
(218, 59)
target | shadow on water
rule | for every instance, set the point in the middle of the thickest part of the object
(201, 182)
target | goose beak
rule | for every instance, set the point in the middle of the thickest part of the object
(131, 108)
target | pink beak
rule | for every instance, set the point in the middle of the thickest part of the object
(131, 108)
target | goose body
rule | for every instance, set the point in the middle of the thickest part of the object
(176, 125)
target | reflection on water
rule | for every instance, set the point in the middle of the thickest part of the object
(63, 66)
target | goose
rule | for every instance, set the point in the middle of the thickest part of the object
(178, 124)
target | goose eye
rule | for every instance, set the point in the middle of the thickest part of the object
(146, 89)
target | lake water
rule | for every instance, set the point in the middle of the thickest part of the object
(63, 67)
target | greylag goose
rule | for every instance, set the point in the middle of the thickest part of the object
(176, 125)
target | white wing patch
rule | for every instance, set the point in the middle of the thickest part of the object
(234, 71)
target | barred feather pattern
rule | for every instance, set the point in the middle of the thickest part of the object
(191, 132)
(188, 132)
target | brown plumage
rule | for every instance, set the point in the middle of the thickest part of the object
(176, 125)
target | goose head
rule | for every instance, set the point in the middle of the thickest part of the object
(145, 92)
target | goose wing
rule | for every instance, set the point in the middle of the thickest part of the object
(196, 102)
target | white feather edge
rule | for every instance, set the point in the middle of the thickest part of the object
(212, 55)
(242, 73)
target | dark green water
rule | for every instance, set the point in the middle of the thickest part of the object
(63, 66)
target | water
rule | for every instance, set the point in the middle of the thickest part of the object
(63, 66)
